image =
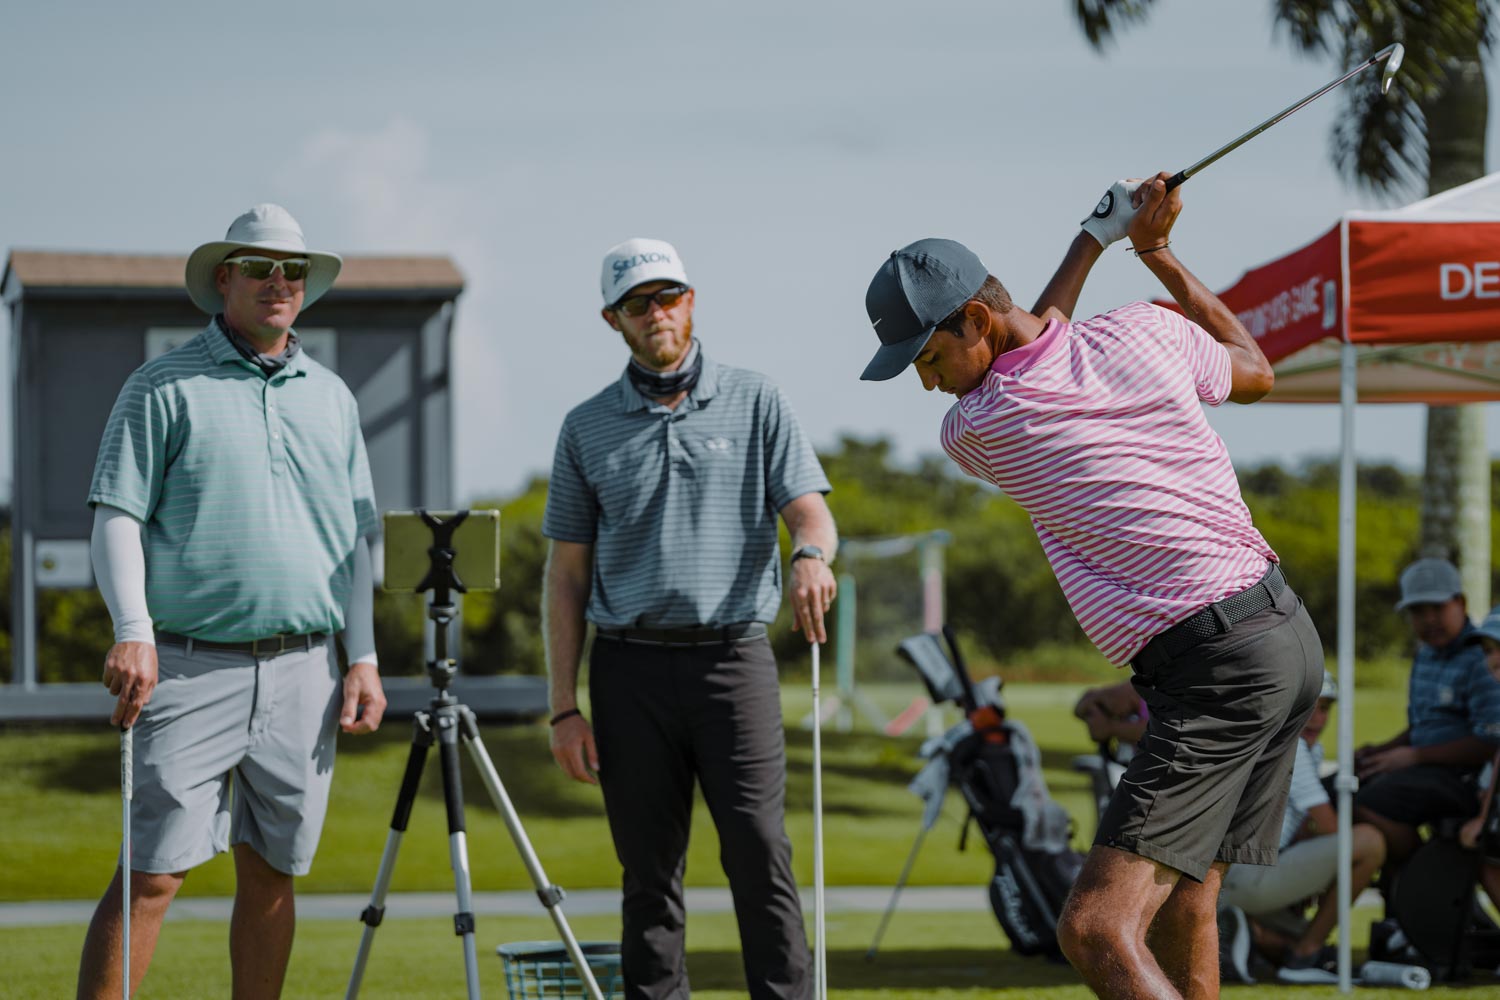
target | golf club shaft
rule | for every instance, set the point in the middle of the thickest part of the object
(820, 946)
(127, 791)
(1183, 175)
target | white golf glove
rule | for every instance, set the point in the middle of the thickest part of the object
(1111, 217)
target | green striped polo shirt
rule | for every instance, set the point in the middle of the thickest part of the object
(681, 505)
(253, 490)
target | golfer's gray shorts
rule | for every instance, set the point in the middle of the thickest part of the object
(234, 750)
(1209, 780)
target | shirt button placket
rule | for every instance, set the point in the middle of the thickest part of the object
(275, 441)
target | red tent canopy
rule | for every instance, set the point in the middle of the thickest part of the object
(1417, 288)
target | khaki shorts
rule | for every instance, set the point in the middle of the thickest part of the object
(234, 750)
(1302, 870)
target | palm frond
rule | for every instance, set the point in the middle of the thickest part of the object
(1100, 19)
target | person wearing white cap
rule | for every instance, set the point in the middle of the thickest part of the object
(661, 514)
(232, 502)
(1428, 771)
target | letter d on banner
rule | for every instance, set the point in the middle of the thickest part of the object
(1465, 282)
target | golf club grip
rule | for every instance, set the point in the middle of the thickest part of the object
(1176, 179)
(961, 669)
(127, 762)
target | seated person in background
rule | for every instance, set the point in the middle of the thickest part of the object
(1428, 771)
(1483, 831)
(1307, 865)
(1113, 713)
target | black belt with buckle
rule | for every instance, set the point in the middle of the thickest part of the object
(270, 646)
(738, 632)
(1213, 620)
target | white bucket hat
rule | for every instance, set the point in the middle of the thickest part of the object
(264, 227)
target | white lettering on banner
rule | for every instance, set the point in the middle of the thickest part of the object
(1290, 306)
(1459, 281)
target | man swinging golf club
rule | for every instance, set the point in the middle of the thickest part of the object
(1095, 429)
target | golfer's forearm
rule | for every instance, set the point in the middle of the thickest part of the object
(1466, 752)
(359, 609)
(1251, 375)
(1067, 282)
(119, 560)
(563, 604)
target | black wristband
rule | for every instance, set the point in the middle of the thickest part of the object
(561, 716)
(1142, 253)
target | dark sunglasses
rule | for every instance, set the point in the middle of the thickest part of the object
(639, 305)
(261, 268)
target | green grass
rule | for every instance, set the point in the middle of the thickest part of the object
(939, 955)
(59, 795)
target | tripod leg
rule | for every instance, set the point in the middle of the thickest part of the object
(421, 739)
(550, 895)
(885, 918)
(458, 844)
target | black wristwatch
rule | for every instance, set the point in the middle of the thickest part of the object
(808, 552)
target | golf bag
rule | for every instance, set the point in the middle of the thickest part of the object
(996, 766)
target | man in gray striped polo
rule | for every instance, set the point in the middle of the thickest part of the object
(661, 511)
(232, 502)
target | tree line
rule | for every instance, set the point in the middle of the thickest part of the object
(1000, 592)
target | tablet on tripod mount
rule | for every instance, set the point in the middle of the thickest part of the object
(472, 536)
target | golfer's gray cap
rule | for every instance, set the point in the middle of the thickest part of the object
(1429, 581)
(1489, 628)
(915, 290)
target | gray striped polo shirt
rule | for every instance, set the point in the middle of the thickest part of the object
(253, 490)
(681, 505)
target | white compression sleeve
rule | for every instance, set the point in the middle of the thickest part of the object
(359, 610)
(120, 571)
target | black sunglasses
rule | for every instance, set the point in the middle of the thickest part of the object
(639, 305)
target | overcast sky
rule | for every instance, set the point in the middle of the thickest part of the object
(785, 148)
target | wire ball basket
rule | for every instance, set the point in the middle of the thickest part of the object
(543, 969)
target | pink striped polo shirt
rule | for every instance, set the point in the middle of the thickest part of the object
(1095, 429)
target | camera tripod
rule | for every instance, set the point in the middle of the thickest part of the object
(446, 721)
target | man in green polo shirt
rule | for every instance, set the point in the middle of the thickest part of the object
(232, 502)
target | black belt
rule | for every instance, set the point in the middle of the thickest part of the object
(738, 632)
(269, 646)
(1213, 620)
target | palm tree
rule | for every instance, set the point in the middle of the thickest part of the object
(1431, 128)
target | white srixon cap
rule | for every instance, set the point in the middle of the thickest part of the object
(635, 262)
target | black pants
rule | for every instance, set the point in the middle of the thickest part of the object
(664, 716)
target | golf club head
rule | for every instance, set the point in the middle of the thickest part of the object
(1397, 52)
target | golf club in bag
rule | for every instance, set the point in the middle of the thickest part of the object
(996, 766)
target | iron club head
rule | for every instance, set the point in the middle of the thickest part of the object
(1393, 54)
